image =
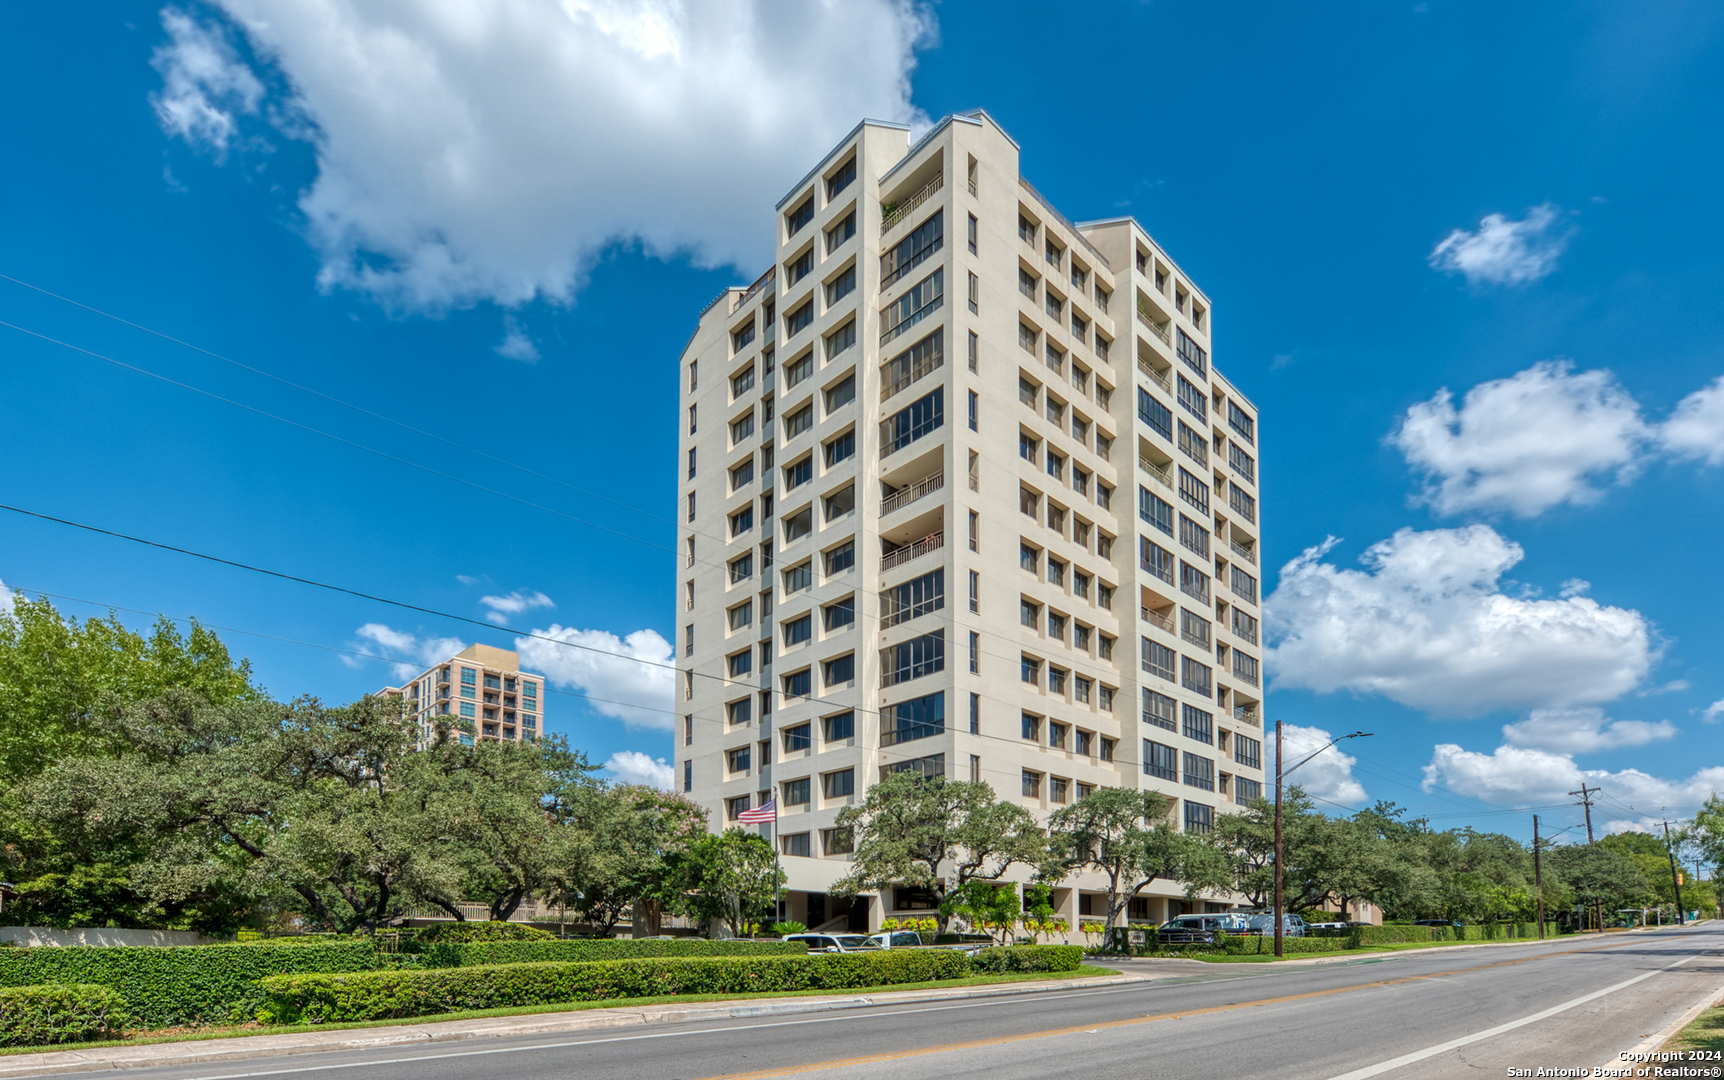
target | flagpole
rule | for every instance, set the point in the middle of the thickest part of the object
(777, 873)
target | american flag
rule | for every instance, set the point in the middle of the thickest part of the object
(760, 815)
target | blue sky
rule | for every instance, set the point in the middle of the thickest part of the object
(496, 223)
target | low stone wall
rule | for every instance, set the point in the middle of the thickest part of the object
(36, 935)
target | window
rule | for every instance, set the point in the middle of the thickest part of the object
(1055, 304)
(923, 299)
(742, 521)
(1029, 614)
(1198, 724)
(691, 506)
(1244, 585)
(913, 363)
(907, 425)
(1104, 646)
(1194, 491)
(908, 721)
(1030, 671)
(802, 215)
(1056, 680)
(740, 664)
(1192, 444)
(694, 374)
(1244, 625)
(467, 709)
(1242, 423)
(1027, 391)
(840, 671)
(796, 685)
(1056, 626)
(1194, 676)
(1194, 628)
(1246, 792)
(838, 727)
(799, 524)
(1029, 502)
(1160, 761)
(1107, 748)
(1159, 710)
(1243, 464)
(1194, 536)
(1080, 639)
(1192, 399)
(1056, 572)
(1245, 667)
(799, 421)
(914, 598)
(691, 461)
(841, 179)
(799, 320)
(975, 517)
(742, 427)
(1102, 296)
(1028, 558)
(1103, 495)
(740, 337)
(798, 369)
(1199, 818)
(741, 615)
(840, 502)
(1193, 582)
(798, 473)
(836, 342)
(737, 760)
(798, 577)
(1084, 744)
(1158, 659)
(688, 775)
(975, 293)
(1032, 727)
(975, 711)
(800, 737)
(843, 448)
(1057, 734)
(1028, 446)
(1155, 559)
(1154, 413)
(838, 616)
(913, 250)
(1240, 500)
(740, 711)
(1155, 510)
(840, 558)
(1080, 585)
(1028, 336)
(742, 475)
(838, 785)
(1026, 230)
(1056, 466)
(973, 224)
(913, 659)
(1058, 789)
(742, 568)
(841, 232)
(1192, 354)
(1032, 785)
(1247, 751)
(796, 844)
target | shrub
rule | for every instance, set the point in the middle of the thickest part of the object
(789, 927)
(462, 932)
(1264, 945)
(1028, 958)
(382, 995)
(43, 1015)
(595, 949)
(163, 986)
(1390, 935)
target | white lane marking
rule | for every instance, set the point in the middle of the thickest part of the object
(1453, 1044)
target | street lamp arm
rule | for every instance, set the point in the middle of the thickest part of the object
(1327, 745)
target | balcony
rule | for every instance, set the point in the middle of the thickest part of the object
(1248, 715)
(905, 496)
(760, 283)
(1156, 618)
(1160, 472)
(1159, 379)
(908, 206)
(1159, 330)
(1243, 552)
(913, 550)
(900, 377)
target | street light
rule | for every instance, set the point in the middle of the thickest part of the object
(1279, 773)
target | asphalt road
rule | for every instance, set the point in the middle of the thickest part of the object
(1573, 1003)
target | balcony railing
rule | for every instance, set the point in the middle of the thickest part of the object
(910, 733)
(1248, 716)
(913, 550)
(1160, 380)
(1243, 552)
(1156, 618)
(929, 361)
(760, 283)
(905, 496)
(1159, 331)
(1160, 472)
(905, 208)
(1245, 676)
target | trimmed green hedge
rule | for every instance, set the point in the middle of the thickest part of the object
(1392, 935)
(452, 933)
(44, 1015)
(596, 949)
(383, 995)
(164, 986)
(1028, 958)
(1264, 944)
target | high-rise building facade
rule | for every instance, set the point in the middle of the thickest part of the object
(482, 685)
(961, 493)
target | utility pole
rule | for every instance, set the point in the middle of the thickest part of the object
(1278, 915)
(1538, 876)
(1675, 879)
(1586, 794)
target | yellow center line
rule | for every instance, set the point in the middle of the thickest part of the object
(1002, 1040)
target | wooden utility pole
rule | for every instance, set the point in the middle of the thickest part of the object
(1585, 793)
(1675, 878)
(1538, 876)
(1279, 917)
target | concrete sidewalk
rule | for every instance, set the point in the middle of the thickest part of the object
(408, 1034)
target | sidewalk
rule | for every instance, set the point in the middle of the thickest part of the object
(408, 1034)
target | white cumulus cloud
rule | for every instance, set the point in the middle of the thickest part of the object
(1504, 252)
(513, 604)
(1696, 427)
(516, 345)
(1426, 624)
(5, 599)
(204, 83)
(1329, 775)
(1524, 444)
(628, 678)
(1521, 776)
(1713, 712)
(472, 151)
(634, 767)
(1583, 731)
(415, 653)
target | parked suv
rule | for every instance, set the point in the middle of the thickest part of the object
(1264, 923)
(1200, 929)
(831, 942)
(896, 939)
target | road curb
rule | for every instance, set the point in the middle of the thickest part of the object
(1652, 1043)
(237, 1048)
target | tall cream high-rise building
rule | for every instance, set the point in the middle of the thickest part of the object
(962, 493)
(482, 685)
